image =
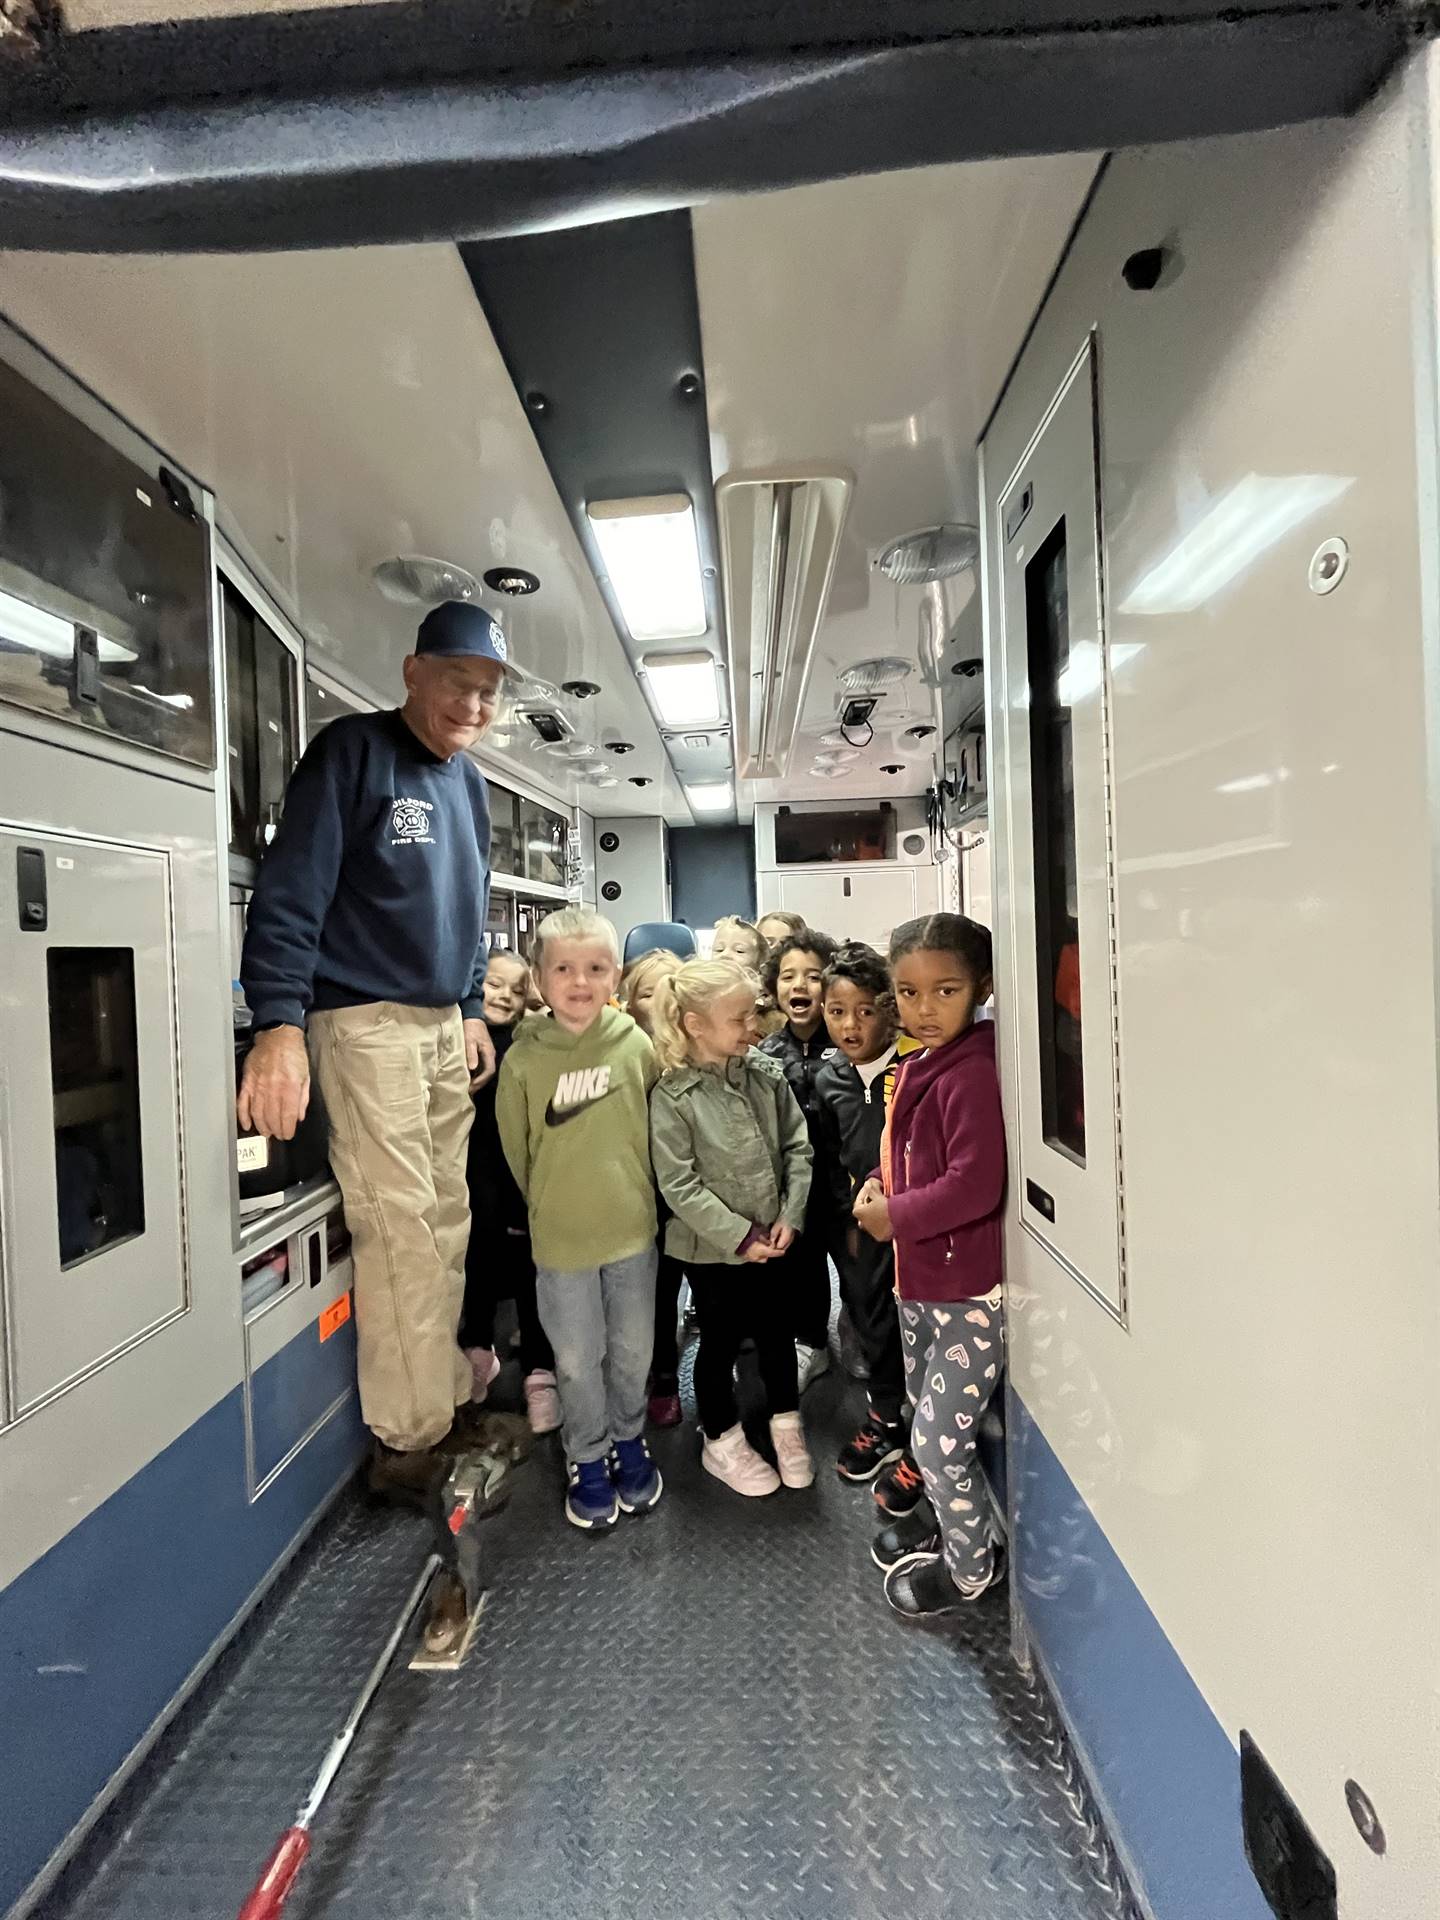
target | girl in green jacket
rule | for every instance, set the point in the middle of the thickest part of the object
(732, 1159)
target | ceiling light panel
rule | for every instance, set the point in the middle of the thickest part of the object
(869, 676)
(779, 537)
(710, 796)
(685, 688)
(652, 561)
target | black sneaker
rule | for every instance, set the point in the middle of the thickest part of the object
(900, 1488)
(921, 1588)
(872, 1448)
(917, 1532)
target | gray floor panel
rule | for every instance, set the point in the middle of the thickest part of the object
(708, 1713)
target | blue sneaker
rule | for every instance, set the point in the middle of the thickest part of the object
(637, 1478)
(591, 1501)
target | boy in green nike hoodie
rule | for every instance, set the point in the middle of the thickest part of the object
(573, 1112)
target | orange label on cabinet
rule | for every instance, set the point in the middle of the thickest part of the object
(334, 1316)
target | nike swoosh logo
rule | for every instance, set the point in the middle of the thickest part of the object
(558, 1119)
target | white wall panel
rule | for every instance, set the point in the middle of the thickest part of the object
(1261, 1446)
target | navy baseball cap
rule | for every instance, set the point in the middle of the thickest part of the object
(457, 630)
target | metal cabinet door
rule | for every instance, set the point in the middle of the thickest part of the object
(1056, 696)
(90, 1169)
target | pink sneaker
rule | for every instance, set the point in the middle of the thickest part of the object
(542, 1402)
(734, 1461)
(485, 1367)
(797, 1469)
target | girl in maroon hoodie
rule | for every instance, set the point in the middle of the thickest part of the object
(938, 1196)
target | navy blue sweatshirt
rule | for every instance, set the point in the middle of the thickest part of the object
(376, 885)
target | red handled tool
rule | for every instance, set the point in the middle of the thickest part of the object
(281, 1869)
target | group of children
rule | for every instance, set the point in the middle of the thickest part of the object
(737, 1122)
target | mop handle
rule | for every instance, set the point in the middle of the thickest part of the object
(273, 1887)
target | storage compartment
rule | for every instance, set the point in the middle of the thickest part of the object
(267, 1169)
(90, 1206)
(104, 583)
(299, 1342)
(834, 838)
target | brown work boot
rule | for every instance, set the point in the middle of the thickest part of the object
(406, 1479)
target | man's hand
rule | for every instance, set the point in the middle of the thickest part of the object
(275, 1086)
(757, 1252)
(479, 1054)
(781, 1238)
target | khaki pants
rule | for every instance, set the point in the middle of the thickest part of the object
(397, 1091)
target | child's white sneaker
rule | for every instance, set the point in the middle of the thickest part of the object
(797, 1469)
(734, 1461)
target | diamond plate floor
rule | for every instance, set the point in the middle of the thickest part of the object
(708, 1713)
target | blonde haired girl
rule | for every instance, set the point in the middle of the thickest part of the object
(732, 1157)
(639, 981)
(663, 1409)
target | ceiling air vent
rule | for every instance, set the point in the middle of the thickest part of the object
(779, 537)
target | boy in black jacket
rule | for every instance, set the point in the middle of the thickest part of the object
(850, 1104)
(498, 1261)
(793, 977)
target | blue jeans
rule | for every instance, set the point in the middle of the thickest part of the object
(601, 1323)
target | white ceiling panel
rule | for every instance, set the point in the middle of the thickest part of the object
(869, 324)
(344, 407)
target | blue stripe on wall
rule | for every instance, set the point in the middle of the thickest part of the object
(100, 1633)
(1161, 1764)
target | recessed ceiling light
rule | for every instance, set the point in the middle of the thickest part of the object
(512, 580)
(919, 733)
(892, 766)
(709, 796)
(684, 687)
(579, 689)
(652, 558)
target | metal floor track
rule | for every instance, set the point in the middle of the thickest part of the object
(710, 1713)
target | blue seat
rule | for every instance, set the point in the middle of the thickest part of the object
(659, 933)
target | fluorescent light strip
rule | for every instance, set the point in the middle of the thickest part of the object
(51, 635)
(685, 688)
(1239, 526)
(652, 559)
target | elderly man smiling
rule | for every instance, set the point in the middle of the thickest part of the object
(367, 935)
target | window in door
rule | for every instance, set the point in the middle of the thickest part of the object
(264, 740)
(95, 1086)
(1052, 812)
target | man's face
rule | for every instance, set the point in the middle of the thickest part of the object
(450, 703)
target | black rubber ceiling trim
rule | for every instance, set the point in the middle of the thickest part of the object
(473, 160)
(409, 42)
